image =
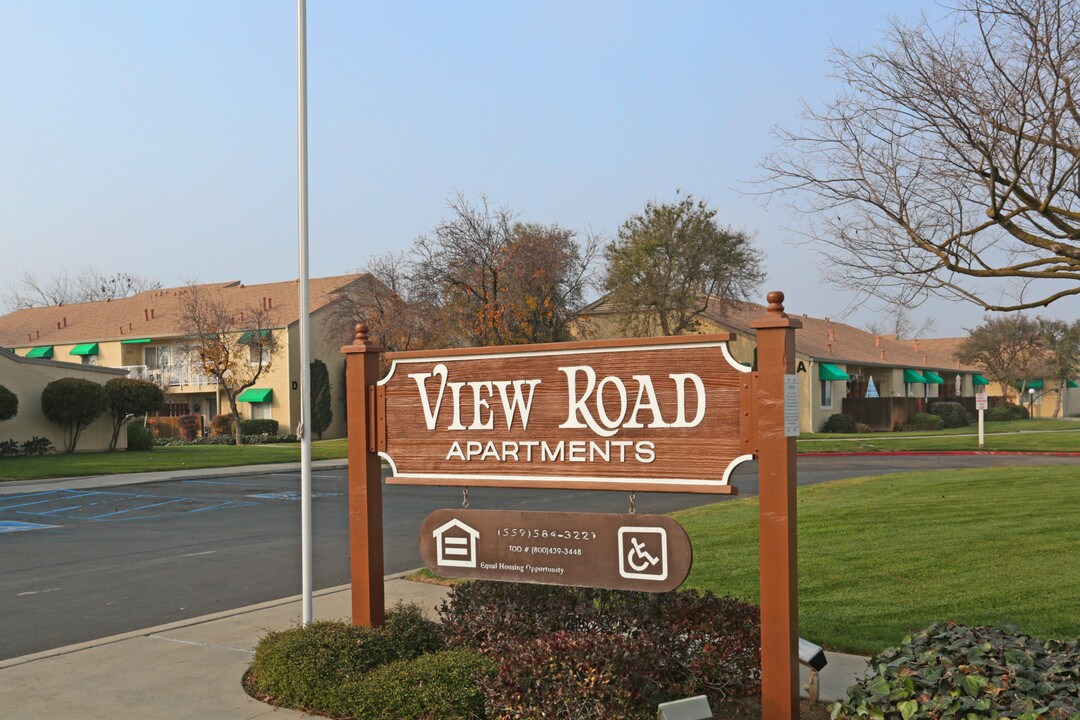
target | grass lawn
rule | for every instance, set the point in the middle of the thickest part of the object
(1044, 435)
(161, 458)
(882, 556)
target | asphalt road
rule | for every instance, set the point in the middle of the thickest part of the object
(114, 559)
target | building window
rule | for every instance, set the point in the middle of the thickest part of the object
(89, 360)
(260, 411)
(826, 393)
(156, 357)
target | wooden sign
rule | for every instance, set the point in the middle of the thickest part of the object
(651, 553)
(659, 414)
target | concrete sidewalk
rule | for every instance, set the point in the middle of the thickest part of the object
(9, 487)
(191, 670)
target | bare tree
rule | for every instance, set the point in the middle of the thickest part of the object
(233, 345)
(500, 281)
(62, 288)
(902, 325)
(1062, 353)
(951, 165)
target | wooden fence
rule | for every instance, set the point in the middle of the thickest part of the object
(887, 412)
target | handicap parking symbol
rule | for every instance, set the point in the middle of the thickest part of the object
(643, 553)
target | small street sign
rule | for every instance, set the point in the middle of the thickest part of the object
(981, 403)
(621, 552)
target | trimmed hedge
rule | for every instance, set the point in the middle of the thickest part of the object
(925, 421)
(9, 404)
(258, 427)
(951, 670)
(952, 414)
(139, 438)
(73, 403)
(445, 684)
(221, 424)
(839, 423)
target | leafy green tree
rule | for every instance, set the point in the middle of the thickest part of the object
(672, 261)
(129, 397)
(1062, 353)
(73, 403)
(9, 404)
(1008, 348)
(322, 411)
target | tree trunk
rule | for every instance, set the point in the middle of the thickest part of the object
(236, 421)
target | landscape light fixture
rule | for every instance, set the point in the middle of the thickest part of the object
(691, 708)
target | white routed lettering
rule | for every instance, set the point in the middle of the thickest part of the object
(430, 416)
(601, 408)
(479, 404)
(516, 403)
(455, 452)
(455, 390)
(645, 452)
(646, 391)
(577, 407)
(680, 396)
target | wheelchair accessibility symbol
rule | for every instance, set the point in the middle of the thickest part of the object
(643, 553)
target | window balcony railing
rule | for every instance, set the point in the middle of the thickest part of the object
(170, 375)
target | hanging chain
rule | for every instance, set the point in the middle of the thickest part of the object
(465, 498)
(633, 495)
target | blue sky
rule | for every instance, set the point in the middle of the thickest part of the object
(159, 137)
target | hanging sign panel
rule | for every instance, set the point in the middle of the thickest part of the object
(659, 414)
(650, 553)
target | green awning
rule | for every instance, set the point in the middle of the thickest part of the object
(85, 349)
(933, 378)
(249, 337)
(827, 371)
(978, 379)
(256, 395)
(40, 352)
(1072, 383)
(135, 341)
(1036, 384)
(913, 376)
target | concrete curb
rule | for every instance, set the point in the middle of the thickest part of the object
(887, 453)
(84, 481)
(177, 625)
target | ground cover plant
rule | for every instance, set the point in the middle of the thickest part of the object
(951, 670)
(561, 652)
(162, 458)
(982, 546)
(1041, 436)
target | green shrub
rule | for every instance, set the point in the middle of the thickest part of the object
(221, 424)
(863, 428)
(952, 414)
(322, 411)
(139, 438)
(445, 684)
(73, 403)
(9, 404)
(957, 671)
(258, 427)
(998, 414)
(839, 423)
(37, 446)
(925, 421)
(1018, 412)
(9, 447)
(318, 667)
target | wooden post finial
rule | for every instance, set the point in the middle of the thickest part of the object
(361, 333)
(776, 302)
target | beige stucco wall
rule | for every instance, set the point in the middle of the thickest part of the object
(326, 344)
(27, 379)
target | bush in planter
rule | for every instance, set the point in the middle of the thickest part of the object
(258, 427)
(189, 426)
(839, 423)
(444, 684)
(73, 403)
(952, 414)
(925, 421)
(956, 671)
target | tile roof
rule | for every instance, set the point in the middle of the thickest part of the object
(826, 340)
(154, 313)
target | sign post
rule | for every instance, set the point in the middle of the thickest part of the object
(775, 450)
(365, 481)
(981, 404)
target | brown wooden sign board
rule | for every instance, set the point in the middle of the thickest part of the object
(658, 414)
(650, 553)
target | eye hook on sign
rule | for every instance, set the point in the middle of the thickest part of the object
(465, 498)
(633, 495)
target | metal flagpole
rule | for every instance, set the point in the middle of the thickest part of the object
(305, 308)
